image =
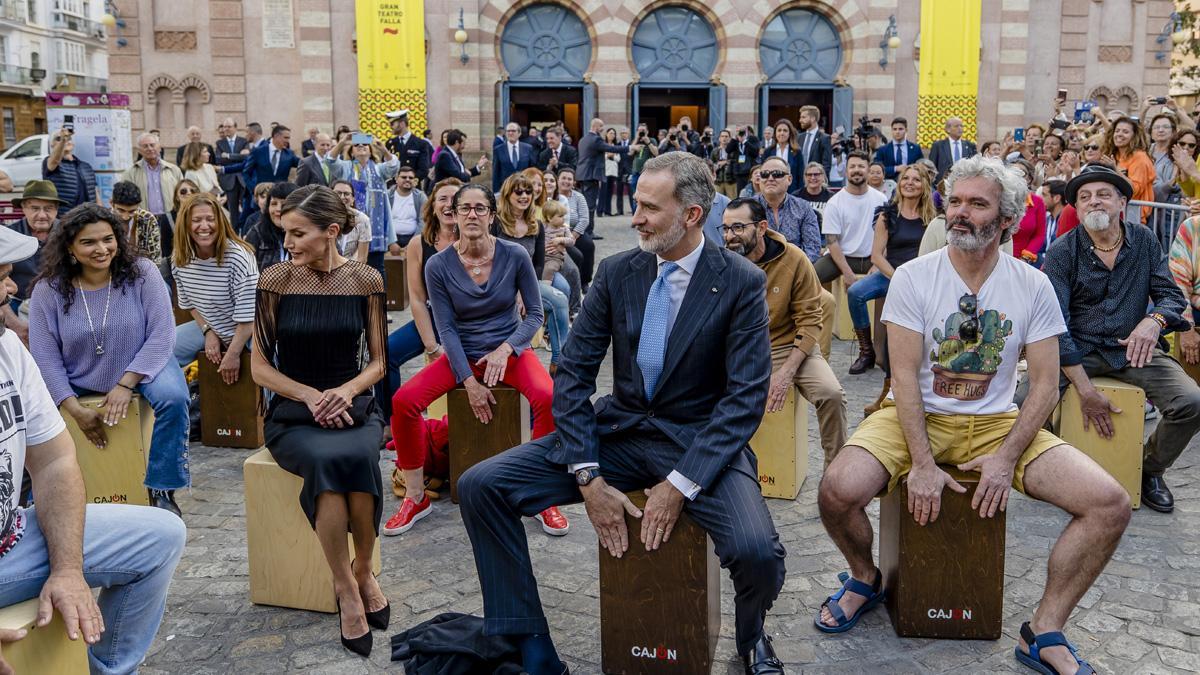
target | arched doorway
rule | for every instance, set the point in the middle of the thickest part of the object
(801, 54)
(545, 50)
(675, 52)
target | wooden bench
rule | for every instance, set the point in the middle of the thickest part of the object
(843, 327)
(397, 283)
(287, 566)
(946, 579)
(116, 473)
(660, 611)
(781, 445)
(1121, 455)
(471, 441)
(45, 650)
(229, 414)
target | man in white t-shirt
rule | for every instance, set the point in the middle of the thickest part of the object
(957, 321)
(848, 224)
(128, 551)
(407, 202)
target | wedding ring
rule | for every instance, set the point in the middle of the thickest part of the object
(660, 530)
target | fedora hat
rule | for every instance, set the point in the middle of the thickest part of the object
(1093, 173)
(38, 189)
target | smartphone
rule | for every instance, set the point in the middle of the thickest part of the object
(69, 123)
(1083, 111)
(1019, 134)
(1037, 150)
(1062, 96)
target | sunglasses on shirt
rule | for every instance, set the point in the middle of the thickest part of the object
(968, 330)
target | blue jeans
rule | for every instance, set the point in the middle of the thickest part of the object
(872, 286)
(130, 552)
(167, 464)
(189, 341)
(403, 345)
(558, 321)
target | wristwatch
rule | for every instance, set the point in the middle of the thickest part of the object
(585, 476)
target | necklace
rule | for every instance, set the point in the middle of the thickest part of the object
(476, 265)
(1120, 239)
(99, 342)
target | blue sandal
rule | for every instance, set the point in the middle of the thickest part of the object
(873, 593)
(1039, 642)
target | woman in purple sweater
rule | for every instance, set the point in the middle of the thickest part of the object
(100, 323)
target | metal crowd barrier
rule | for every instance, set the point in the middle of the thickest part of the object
(1163, 218)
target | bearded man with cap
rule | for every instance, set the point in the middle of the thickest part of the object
(130, 552)
(39, 205)
(1105, 274)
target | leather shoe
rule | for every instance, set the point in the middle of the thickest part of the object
(762, 660)
(1156, 495)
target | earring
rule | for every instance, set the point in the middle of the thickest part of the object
(73, 260)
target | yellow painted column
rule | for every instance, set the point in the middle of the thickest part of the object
(949, 68)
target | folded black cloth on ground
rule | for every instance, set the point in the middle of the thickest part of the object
(454, 644)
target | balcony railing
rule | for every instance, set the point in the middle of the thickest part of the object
(21, 76)
(13, 10)
(78, 24)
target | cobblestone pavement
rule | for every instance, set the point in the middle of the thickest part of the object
(1142, 615)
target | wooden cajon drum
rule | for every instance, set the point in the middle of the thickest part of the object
(397, 283)
(660, 611)
(1121, 455)
(287, 566)
(43, 651)
(471, 441)
(116, 473)
(229, 416)
(946, 579)
(843, 328)
(1193, 371)
(781, 445)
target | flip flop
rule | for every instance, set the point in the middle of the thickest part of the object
(873, 593)
(1037, 643)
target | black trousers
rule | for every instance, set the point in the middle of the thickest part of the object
(496, 493)
(587, 258)
(591, 194)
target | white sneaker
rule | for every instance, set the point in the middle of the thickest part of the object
(1151, 411)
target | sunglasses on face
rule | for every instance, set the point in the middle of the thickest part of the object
(185, 192)
(522, 191)
(773, 174)
(1184, 144)
(1091, 147)
(812, 175)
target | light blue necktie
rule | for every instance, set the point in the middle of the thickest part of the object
(652, 346)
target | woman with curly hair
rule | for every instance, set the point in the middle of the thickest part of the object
(101, 323)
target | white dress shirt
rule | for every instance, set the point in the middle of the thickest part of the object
(678, 281)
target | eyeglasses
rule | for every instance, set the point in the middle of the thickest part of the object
(736, 228)
(814, 175)
(968, 330)
(773, 174)
(478, 209)
(345, 194)
(1091, 147)
(522, 191)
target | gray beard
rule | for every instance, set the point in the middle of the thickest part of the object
(664, 241)
(972, 242)
(1097, 221)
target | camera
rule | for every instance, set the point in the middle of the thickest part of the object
(859, 138)
(671, 137)
(1160, 100)
(683, 128)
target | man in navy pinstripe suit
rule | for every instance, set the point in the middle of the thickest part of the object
(687, 321)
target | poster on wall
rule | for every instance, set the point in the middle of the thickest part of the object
(102, 127)
(277, 25)
(391, 63)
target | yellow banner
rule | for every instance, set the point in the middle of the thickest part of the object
(949, 77)
(391, 63)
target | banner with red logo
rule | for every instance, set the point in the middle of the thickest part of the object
(391, 63)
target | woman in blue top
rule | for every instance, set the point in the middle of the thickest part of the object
(473, 287)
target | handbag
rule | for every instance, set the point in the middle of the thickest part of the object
(288, 411)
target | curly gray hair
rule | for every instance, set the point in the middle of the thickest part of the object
(1013, 191)
(693, 181)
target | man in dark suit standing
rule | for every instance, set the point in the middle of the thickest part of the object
(670, 425)
(590, 172)
(511, 156)
(313, 168)
(814, 143)
(268, 163)
(449, 162)
(409, 148)
(557, 154)
(900, 152)
(953, 147)
(743, 155)
(310, 143)
(194, 135)
(231, 149)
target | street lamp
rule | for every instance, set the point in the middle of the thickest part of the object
(1173, 33)
(460, 36)
(891, 39)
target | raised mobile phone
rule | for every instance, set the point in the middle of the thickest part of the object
(1019, 134)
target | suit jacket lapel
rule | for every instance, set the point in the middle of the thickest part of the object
(703, 290)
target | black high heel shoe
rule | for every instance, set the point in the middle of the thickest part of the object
(380, 618)
(360, 645)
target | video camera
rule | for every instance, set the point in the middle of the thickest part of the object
(859, 138)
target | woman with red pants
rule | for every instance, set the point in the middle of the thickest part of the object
(474, 289)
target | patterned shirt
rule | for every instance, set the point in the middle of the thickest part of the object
(797, 223)
(1101, 305)
(146, 236)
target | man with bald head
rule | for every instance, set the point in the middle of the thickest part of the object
(231, 149)
(950, 149)
(194, 135)
(154, 176)
(512, 156)
(590, 172)
(314, 170)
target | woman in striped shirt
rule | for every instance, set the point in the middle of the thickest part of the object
(215, 277)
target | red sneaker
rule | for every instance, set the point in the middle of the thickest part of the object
(408, 515)
(553, 522)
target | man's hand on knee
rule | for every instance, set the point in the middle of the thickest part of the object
(606, 508)
(663, 504)
(68, 592)
(925, 485)
(996, 475)
(8, 636)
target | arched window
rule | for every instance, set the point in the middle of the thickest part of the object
(545, 43)
(193, 107)
(164, 108)
(800, 45)
(674, 44)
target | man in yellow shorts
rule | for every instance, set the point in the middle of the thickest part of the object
(957, 320)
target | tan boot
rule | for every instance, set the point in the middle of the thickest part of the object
(866, 352)
(874, 407)
(432, 485)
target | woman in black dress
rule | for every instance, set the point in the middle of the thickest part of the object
(313, 314)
